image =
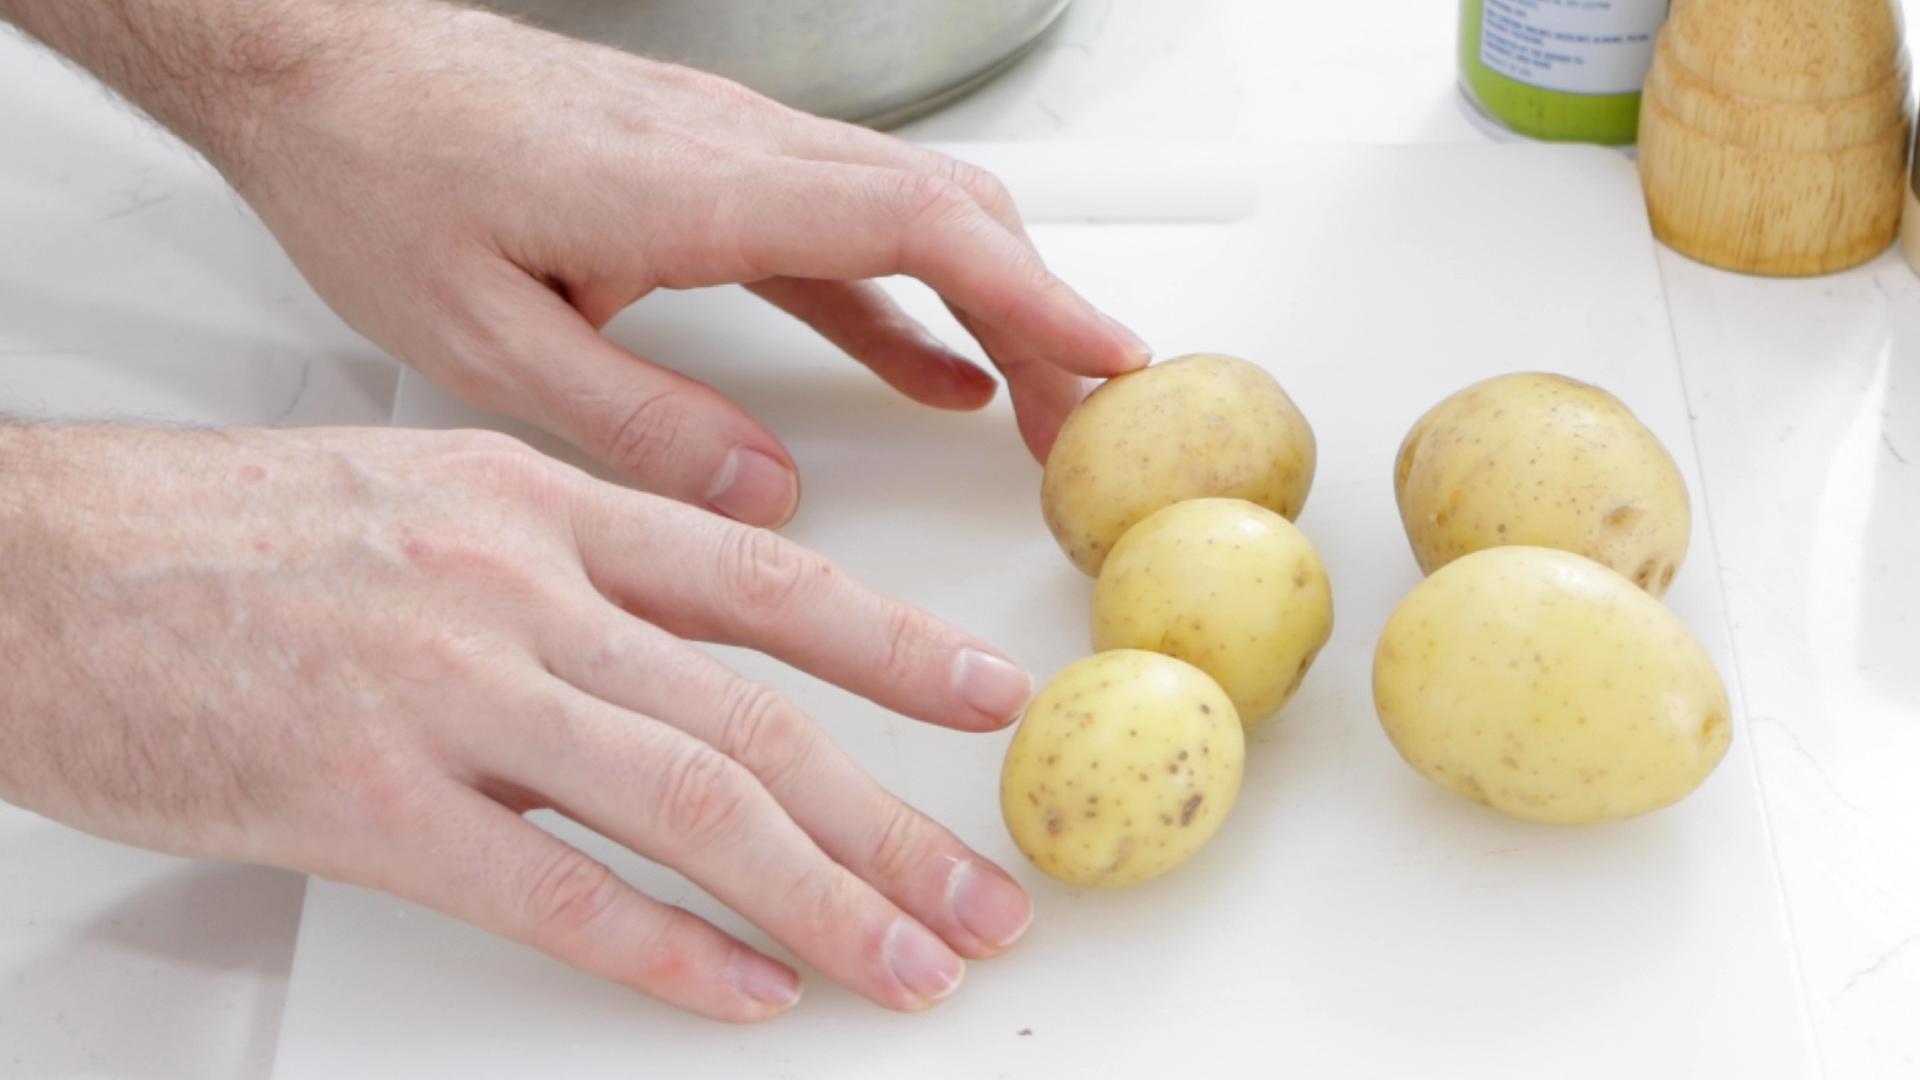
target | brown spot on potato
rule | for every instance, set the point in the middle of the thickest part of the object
(1470, 787)
(1713, 728)
(1054, 824)
(1190, 808)
(1624, 516)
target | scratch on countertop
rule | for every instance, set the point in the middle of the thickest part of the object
(300, 391)
(135, 207)
(1800, 749)
(1884, 959)
(1891, 449)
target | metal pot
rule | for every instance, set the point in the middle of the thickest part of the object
(877, 62)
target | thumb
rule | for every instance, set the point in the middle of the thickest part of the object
(542, 362)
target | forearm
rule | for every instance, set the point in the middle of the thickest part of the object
(213, 71)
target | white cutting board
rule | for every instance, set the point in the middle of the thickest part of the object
(1351, 919)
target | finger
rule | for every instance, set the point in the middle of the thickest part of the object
(678, 801)
(832, 140)
(799, 218)
(867, 325)
(707, 578)
(480, 862)
(1042, 394)
(958, 894)
(542, 362)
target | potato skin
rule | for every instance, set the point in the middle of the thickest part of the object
(1186, 428)
(1124, 766)
(1543, 460)
(1550, 688)
(1232, 588)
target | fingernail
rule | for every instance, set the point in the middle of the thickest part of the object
(992, 908)
(990, 684)
(763, 980)
(754, 488)
(1137, 349)
(921, 962)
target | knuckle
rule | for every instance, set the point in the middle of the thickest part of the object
(984, 187)
(764, 733)
(898, 848)
(508, 562)
(644, 439)
(828, 903)
(928, 200)
(765, 575)
(443, 656)
(705, 796)
(568, 895)
(903, 631)
(386, 797)
(481, 442)
(503, 464)
(631, 646)
(736, 97)
(669, 956)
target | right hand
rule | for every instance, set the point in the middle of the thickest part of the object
(365, 654)
(480, 198)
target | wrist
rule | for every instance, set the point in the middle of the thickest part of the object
(220, 74)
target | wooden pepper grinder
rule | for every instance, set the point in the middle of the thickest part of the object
(1773, 133)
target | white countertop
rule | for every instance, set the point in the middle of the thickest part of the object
(1806, 398)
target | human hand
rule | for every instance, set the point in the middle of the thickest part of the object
(364, 653)
(480, 197)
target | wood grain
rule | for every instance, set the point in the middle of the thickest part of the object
(1773, 133)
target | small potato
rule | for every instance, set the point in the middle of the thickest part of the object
(1186, 428)
(1123, 767)
(1232, 588)
(1544, 460)
(1548, 687)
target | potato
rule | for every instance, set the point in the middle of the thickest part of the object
(1231, 588)
(1544, 460)
(1548, 687)
(1187, 428)
(1123, 767)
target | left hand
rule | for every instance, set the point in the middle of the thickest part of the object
(480, 198)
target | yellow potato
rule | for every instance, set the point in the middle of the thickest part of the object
(1187, 428)
(1543, 460)
(1548, 687)
(1123, 767)
(1231, 588)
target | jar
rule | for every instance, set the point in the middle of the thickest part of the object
(1562, 70)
